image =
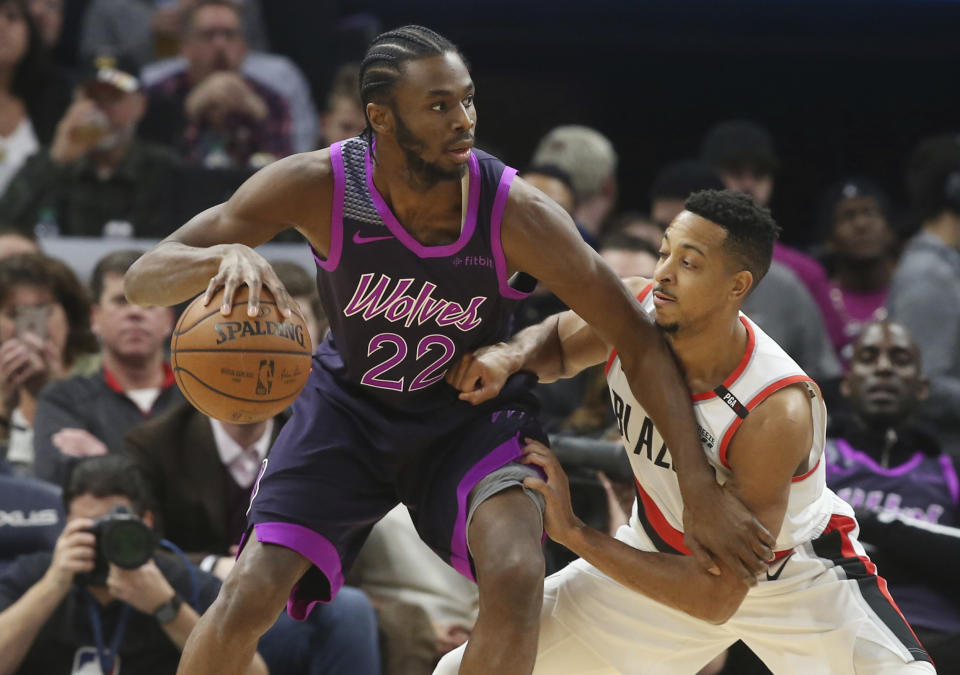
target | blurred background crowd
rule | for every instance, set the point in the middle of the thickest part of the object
(120, 119)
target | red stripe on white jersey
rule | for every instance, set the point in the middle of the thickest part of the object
(742, 366)
(754, 402)
(845, 525)
(667, 532)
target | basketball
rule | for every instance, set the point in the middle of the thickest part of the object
(237, 368)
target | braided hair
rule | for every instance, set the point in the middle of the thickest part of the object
(383, 63)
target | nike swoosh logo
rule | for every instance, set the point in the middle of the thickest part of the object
(358, 239)
(774, 577)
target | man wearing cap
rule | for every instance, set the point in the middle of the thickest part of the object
(96, 178)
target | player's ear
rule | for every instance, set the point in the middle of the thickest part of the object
(381, 117)
(742, 283)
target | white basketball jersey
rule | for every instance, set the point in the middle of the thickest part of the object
(764, 369)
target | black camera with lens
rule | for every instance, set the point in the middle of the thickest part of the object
(122, 539)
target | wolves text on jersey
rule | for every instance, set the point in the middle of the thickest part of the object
(397, 305)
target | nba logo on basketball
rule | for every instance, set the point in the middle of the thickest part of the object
(265, 377)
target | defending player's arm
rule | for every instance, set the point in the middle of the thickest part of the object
(215, 248)
(768, 450)
(580, 278)
(560, 346)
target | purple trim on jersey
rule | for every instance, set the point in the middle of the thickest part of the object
(863, 457)
(950, 475)
(499, 456)
(336, 215)
(312, 546)
(496, 246)
(398, 230)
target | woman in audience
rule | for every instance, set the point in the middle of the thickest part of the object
(32, 94)
(44, 332)
(861, 248)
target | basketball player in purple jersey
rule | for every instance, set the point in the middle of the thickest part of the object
(419, 241)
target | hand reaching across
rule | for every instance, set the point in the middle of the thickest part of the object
(718, 527)
(480, 375)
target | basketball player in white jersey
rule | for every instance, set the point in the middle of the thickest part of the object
(639, 603)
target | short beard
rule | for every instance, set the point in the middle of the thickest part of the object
(668, 328)
(423, 174)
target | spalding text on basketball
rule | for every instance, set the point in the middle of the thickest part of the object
(231, 330)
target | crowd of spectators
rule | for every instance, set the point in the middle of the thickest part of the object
(167, 107)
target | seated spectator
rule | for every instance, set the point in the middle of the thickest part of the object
(671, 187)
(14, 242)
(20, 50)
(215, 114)
(743, 155)
(149, 30)
(674, 183)
(901, 484)
(639, 225)
(629, 256)
(590, 160)
(925, 292)
(55, 606)
(861, 249)
(97, 178)
(89, 415)
(275, 72)
(343, 116)
(44, 332)
(48, 16)
(556, 184)
(553, 182)
(201, 472)
(425, 608)
(786, 311)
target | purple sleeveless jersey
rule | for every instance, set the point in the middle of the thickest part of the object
(402, 313)
(924, 487)
(376, 423)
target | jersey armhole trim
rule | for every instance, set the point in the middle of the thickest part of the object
(496, 245)
(797, 479)
(754, 402)
(741, 367)
(336, 213)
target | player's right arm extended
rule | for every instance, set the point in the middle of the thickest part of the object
(218, 243)
(560, 346)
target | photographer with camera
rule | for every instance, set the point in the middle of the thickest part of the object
(102, 601)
